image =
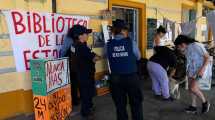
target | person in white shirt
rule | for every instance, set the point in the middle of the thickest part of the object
(160, 33)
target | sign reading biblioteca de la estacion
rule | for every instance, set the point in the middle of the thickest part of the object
(38, 35)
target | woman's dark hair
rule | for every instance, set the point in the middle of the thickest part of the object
(161, 29)
(71, 34)
(184, 39)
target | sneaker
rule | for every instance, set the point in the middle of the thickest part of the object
(168, 99)
(205, 107)
(88, 117)
(158, 97)
(191, 109)
(93, 109)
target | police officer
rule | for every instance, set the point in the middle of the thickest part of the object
(68, 50)
(85, 69)
(122, 53)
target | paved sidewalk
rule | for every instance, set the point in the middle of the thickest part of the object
(153, 109)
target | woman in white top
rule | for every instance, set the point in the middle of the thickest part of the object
(160, 33)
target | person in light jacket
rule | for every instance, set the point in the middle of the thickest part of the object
(197, 61)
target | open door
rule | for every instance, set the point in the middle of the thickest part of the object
(134, 14)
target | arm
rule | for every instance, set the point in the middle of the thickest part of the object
(202, 51)
(156, 41)
(105, 51)
(173, 61)
(87, 54)
(136, 50)
(205, 63)
(66, 46)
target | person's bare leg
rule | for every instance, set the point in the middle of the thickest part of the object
(194, 102)
(193, 108)
(196, 91)
(193, 96)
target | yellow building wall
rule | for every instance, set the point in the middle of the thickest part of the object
(159, 9)
(172, 9)
(15, 88)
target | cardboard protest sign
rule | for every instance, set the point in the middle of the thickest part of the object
(38, 35)
(57, 74)
(48, 75)
(51, 89)
(55, 106)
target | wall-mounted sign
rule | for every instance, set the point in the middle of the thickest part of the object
(38, 35)
(106, 31)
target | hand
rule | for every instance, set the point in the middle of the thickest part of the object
(97, 58)
(172, 72)
(201, 72)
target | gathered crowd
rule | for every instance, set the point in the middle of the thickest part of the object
(123, 54)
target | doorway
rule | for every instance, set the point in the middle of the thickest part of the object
(134, 13)
(130, 15)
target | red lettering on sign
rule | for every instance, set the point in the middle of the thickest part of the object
(29, 22)
(46, 52)
(53, 25)
(55, 53)
(59, 40)
(73, 21)
(69, 22)
(62, 23)
(35, 54)
(26, 59)
(45, 26)
(80, 22)
(36, 21)
(54, 73)
(85, 23)
(18, 22)
(43, 41)
(28, 54)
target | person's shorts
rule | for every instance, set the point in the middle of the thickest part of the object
(192, 72)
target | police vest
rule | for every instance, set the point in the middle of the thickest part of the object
(121, 56)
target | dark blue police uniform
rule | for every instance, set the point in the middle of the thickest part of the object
(124, 79)
(86, 71)
(68, 50)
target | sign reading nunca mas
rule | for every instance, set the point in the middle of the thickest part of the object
(38, 35)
